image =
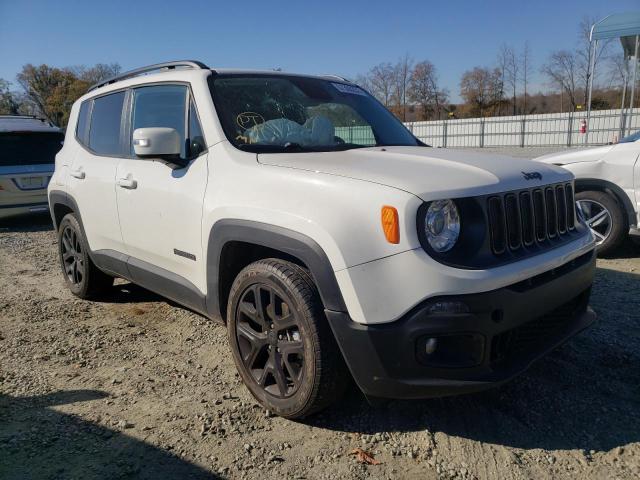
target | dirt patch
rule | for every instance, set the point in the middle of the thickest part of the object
(135, 387)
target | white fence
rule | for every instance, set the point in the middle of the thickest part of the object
(554, 129)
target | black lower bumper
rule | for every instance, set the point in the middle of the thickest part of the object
(491, 337)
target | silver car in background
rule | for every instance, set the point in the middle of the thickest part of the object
(28, 146)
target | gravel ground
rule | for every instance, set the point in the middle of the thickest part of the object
(136, 387)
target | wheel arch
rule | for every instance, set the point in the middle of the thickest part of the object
(235, 243)
(585, 184)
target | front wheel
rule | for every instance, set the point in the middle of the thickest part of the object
(281, 342)
(604, 217)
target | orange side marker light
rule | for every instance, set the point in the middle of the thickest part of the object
(390, 224)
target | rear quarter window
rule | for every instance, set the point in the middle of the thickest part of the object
(82, 128)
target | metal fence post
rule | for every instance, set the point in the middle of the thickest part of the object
(481, 132)
(522, 132)
(444, 133)
(569, 129)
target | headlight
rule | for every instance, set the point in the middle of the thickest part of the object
(442, 225)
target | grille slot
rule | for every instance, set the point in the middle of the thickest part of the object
(512, 216)
(571, 207)
(561, 201)
(540, 214)
(526, 213)
(530, 218)
(552, 212)
(497, 225)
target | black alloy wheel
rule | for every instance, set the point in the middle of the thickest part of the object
(72, 256)
(269, 338)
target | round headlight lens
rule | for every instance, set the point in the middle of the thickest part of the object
(442, 225)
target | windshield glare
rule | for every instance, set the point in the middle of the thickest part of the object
(267, 113)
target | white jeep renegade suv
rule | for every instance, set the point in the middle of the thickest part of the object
(329, 239)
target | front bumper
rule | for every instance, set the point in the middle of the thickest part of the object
(504, 331)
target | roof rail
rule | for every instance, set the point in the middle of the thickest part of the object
(151, 68)
(337, 77)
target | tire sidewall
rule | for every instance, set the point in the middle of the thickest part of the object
(618, 223)
(290, 406)
(70, 221)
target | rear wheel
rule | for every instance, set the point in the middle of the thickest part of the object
(604, 217)
(281, 341)
(83, 278)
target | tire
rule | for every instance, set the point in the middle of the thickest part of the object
(292, 365)
(592, 203)
(81, 276)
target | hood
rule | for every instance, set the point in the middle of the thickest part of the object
(575, 155)
(429, 173)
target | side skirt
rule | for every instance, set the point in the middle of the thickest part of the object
(151, 277)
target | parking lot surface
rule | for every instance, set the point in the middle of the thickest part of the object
(134, 386)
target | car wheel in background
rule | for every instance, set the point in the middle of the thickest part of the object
(605, 219)
(83, 278)
(281, 341)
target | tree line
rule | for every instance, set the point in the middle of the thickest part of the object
(49, 92)
(410, 89)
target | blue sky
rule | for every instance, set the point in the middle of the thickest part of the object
(346, 37)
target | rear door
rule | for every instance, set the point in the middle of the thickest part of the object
(91, 179)
(26, 166)
(160, 204)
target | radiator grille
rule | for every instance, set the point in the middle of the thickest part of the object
(519, 220)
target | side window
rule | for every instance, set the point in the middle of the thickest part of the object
(104, 133)
(197, 144)
(161, 106)
(82, 127)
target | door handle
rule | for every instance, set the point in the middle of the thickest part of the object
(79, 174)
(127, 183)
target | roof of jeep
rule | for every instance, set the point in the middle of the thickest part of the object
(181, 70)
(25, 123)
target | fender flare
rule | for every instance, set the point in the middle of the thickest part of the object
(278, 238)
(583, 184)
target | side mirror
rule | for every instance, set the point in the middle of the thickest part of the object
(157, 142)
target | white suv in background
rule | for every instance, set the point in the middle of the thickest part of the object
(607, 188)
(326, 236)
(28, 146)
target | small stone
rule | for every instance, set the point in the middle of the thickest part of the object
(124, 424)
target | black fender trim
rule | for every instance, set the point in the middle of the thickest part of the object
(583, 184)
(282, 239)
(156, 279)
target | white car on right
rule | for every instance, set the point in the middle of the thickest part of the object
(607, 188)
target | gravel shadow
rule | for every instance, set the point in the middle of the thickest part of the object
(37, 441)
(37, 222)
(584, 395)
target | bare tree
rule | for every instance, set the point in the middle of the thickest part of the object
(381, 81)
(526, 71)
(481, 89)
(562, 69)
(402, 75)
(424, 91)
(583, 55)
(510, 66)
(97, 73)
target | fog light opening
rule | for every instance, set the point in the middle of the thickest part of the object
(430, 345)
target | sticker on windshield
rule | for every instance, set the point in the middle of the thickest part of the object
(351, 89)
(246, 120)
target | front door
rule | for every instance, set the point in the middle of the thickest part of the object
(160, 204)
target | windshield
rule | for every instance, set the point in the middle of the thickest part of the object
(29, 148)
(271, 113)
(631, 138)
